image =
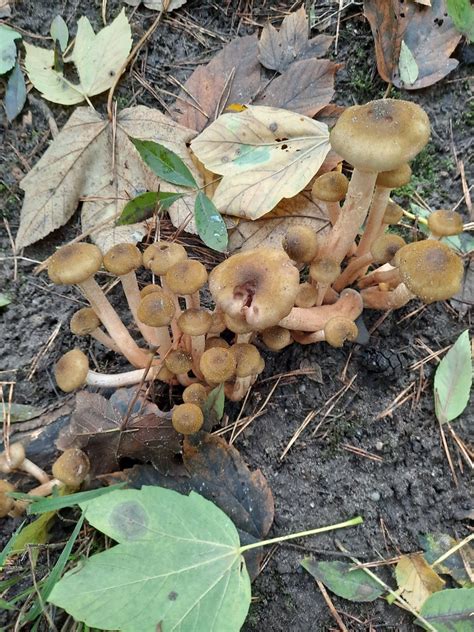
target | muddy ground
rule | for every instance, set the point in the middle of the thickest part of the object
(408, 489)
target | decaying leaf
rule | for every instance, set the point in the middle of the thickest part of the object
(428, 32)
(416, 579)
(278, 49)
(15, 94)
(82, 163)
(344, 580)
(407, 66)
(437, 544)
(158, 5)
(7, 48)
(100, 427)
(264, 155)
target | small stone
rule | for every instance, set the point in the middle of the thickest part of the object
(379, 446)
(375, 496)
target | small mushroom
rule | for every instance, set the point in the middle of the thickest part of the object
(330, 189)
(307, 295)
(85, 322)
(186, 278)
(195, 324)
(248, 359)
(7, 504)
(336, 332)
(71, 370)
(215, 341)
(69, 470)
(218, 365)
(300, 243)
(324, 272)
(157, 309)
(187, 418)
(195, 394)
(383, 299)
(276, 338)
(14, 458)
(149, 289)
(180, 363)
(445, 223)
(159, 257)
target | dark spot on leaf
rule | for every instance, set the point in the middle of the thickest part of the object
(284, 146)
(129, 519)
(173, 596)
(273, 127)
(111, 73)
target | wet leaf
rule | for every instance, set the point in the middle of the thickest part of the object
(427, 32)
(7, 48)
(15, 94)
(450, 610)
(416, 579)
(60, 32)
(145, 205)
(344, 580)
(164, 163)
(278, 49)
(214, 407)
(20, 412)
(462, 14)
(437, 544)
(407, 66)
(210, 226)
(5, 299)
(158, 5)
(178, 554)
(453, 380)
(97, 57)
(100, 428)
(265, 154)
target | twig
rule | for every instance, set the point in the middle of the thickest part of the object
(331, 607)
(452, 550)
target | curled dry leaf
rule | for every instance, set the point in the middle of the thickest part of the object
(428, 33)
(158, 5)
(264, 155)
(82, 163)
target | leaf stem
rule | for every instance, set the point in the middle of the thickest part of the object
(302, 534)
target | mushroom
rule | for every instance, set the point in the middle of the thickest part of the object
(218, 365)
(392, 215)
(258, 285)
(186, 278)
(14, 458)
(71, 370)
(336, 332)
(195, 323)
(187, 418)
(195, 394)
(85, 322)
(160, 256)
(215, 341)
(69, 470)
(330, 189)
(248, 359)
(307, 295)
(7, 504)
(276, 338)
(179, 362)
(300, 243)
(445, 223)
(157, 309)
(324, 272)
(383, 299)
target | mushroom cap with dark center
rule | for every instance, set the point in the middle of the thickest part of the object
(430, 269)
(393, 213)
(445, 223)
(74, 263)
(6, 503)
(248, 358)
(339, 329)
(395, 178)
(381, 135)
(72, 467)
(276, 338)
(324, 271)
(71, 370)
(149, 289)
(300, 243)
(195, 322)
(187, 418)
(330, 187)
(307, 295)
(385, 247)
(178, 361)
(156, 309)
(195, 394)
(159, 257)
(84, 321)
(218, 365)
(186, 277)
(259, 285)
(122, 259)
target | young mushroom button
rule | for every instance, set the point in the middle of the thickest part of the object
(445, 223)
(71, 370)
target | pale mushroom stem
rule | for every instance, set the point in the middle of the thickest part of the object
(353, 270)
(104, 339)
(384, 274)
(46, 488)
(333, 210)
(175, 330)
(105, 380)
(303, 338)
(314, 318)
(193, 301)
(244, 338)
(322, 290)
(374, 298)
(35, 471)
(374, 220)
(240, 388)
(111, 321)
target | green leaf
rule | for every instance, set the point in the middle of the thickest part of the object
(20, 412)
(214, 406)
(5, 552)
(453, 380)
(60, 32)
(450, 610)
(177, 565)
(144, 205)
(4, 300)
(437, 544)
(7, 48)
(15, 94)
(60, 502)
(462, 14)
(344, 580)
(209, 223)
(407, 65)
(164, 163)
(34, 533)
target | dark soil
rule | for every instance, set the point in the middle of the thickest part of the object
(409, 489)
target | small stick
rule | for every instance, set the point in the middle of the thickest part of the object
(331, 607)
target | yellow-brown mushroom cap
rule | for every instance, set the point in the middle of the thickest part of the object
(237, 324)
(381, 135)
(149, 289)
(6, 503)
(218, 365)
(71, 370)
(195, 394)
(178, 361)
(156, 309)
(330, 187)
(218, 323)
(338, 330)
(307, 295)
(324, 271)
(165, 375)
(430, 269)
(215, 341)
(159, 257)
(259, 285)
(195, 322)
(84, 321)
(122, 259)
(74, 263)
(385, 247)
(300, 243)
(72, 467)
(186, 277)
(395, 178)
(276, 338)
(248, 358)
(445, 223)
(187, 418)
(393, 213)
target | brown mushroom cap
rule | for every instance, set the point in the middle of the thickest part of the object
(84, 321)
(381, 135)
(276, 338)
(187, 418)
(300, 243)
(430, 269)
(195, 394)
(16, 456)
(6, 503)
(156, 309)
(330, 187)
(393, 213)
(159, 257)
(74, 263)
(178, 361)
(186, 277)
(122, 259)
(445, 223)
(149, 289)
(324, 271)
(307, 295)
(248, 358)
(195, 322)
(218, 365)
(165, 375)
(218, 323)
(339, 329)
(215, 341)
(261, 285)
(72, 467)
(385, 247)
(238, 324)
(71, 370)
(395, 178)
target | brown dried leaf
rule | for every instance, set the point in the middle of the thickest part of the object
(277, 50)
(428, 32)
(416, 579)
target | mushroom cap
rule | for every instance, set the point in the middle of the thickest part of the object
(214, 342)
(218, 365)
(149, 289)
(74, 263)
(445, 223)
(16, 458)
(324, 271)
(178, 361)
(276, 338)
(330, 187)
(187, 418)
(122, 259)
(237, 324)
(195, 322)
(72, 467)
(159, 257)
(186, 277)
(218, 323)
(195, 394)
(339, 329)
(71, 370)
(393, 213)
(6, 503)
(248, 358)
(430, 269)
(381, 135)
(394, 178)
(165, 375)
(300, 243)
(385, 247)
(84, 321)
(307, 295)
(156, 309)
(259, 285)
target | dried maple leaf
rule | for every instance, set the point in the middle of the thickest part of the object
(90, 160)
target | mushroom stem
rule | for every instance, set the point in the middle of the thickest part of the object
(304, 338)
(105, 380)
(175, 330)
(109, 317)
(35, 471)
(155, 336)
(374, 298)
(104, 339)
(237, 391)
(384, 274)
(313, 319)
(193, 301)
(13, 458)
(333, 210)
(46, 488)
(350, 274)
(374, 220)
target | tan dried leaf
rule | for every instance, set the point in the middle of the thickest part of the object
(416, 579)
(158, 5)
